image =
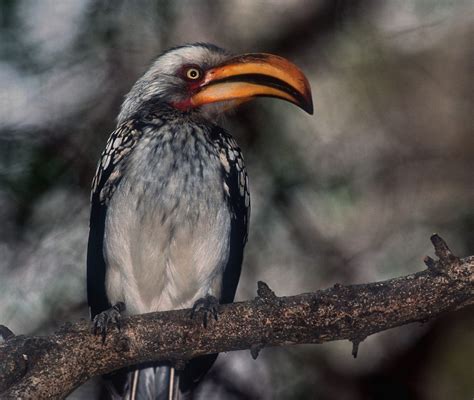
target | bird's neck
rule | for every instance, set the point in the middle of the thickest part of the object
(158, 109)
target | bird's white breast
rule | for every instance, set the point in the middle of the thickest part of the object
(168, 224)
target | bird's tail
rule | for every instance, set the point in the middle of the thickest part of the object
(157, 382)
(154, 383)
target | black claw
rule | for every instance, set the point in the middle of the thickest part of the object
(214, 312)
(208, 305)
(118, 323)
(355, 345)
(101, 321)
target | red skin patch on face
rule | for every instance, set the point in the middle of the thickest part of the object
(183, 105)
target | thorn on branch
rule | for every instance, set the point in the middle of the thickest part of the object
(429, 262)
(255, 350)
(446, 258)
(442, 251)
(265, 294)
(355, 346)
(5, 333)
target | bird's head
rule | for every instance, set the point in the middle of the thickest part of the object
(206, 79)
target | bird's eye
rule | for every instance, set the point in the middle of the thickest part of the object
(193, 73)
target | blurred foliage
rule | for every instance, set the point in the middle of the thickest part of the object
(349, 195)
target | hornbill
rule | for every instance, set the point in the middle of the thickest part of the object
(170, 200)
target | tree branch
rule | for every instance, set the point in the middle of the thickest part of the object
(53, 366)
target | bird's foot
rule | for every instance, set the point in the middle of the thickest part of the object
(208, 305)
(101, 321)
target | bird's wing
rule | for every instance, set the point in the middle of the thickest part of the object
(238, 198)
(108, 175)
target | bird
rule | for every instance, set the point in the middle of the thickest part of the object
(170, 200)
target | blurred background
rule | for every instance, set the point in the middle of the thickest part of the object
(349, 195)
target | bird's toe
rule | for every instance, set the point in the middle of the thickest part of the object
(208, 305)
(100, 323)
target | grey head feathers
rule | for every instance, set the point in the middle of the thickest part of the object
(162, 84)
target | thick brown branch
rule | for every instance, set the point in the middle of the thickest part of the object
(40, 367)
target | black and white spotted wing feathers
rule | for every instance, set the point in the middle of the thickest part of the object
(237, 194)
(107, 177)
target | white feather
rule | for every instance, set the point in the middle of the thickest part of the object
(167, 232)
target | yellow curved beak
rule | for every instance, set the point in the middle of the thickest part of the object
(252, 75)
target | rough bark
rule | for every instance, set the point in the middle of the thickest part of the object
(52, 366)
